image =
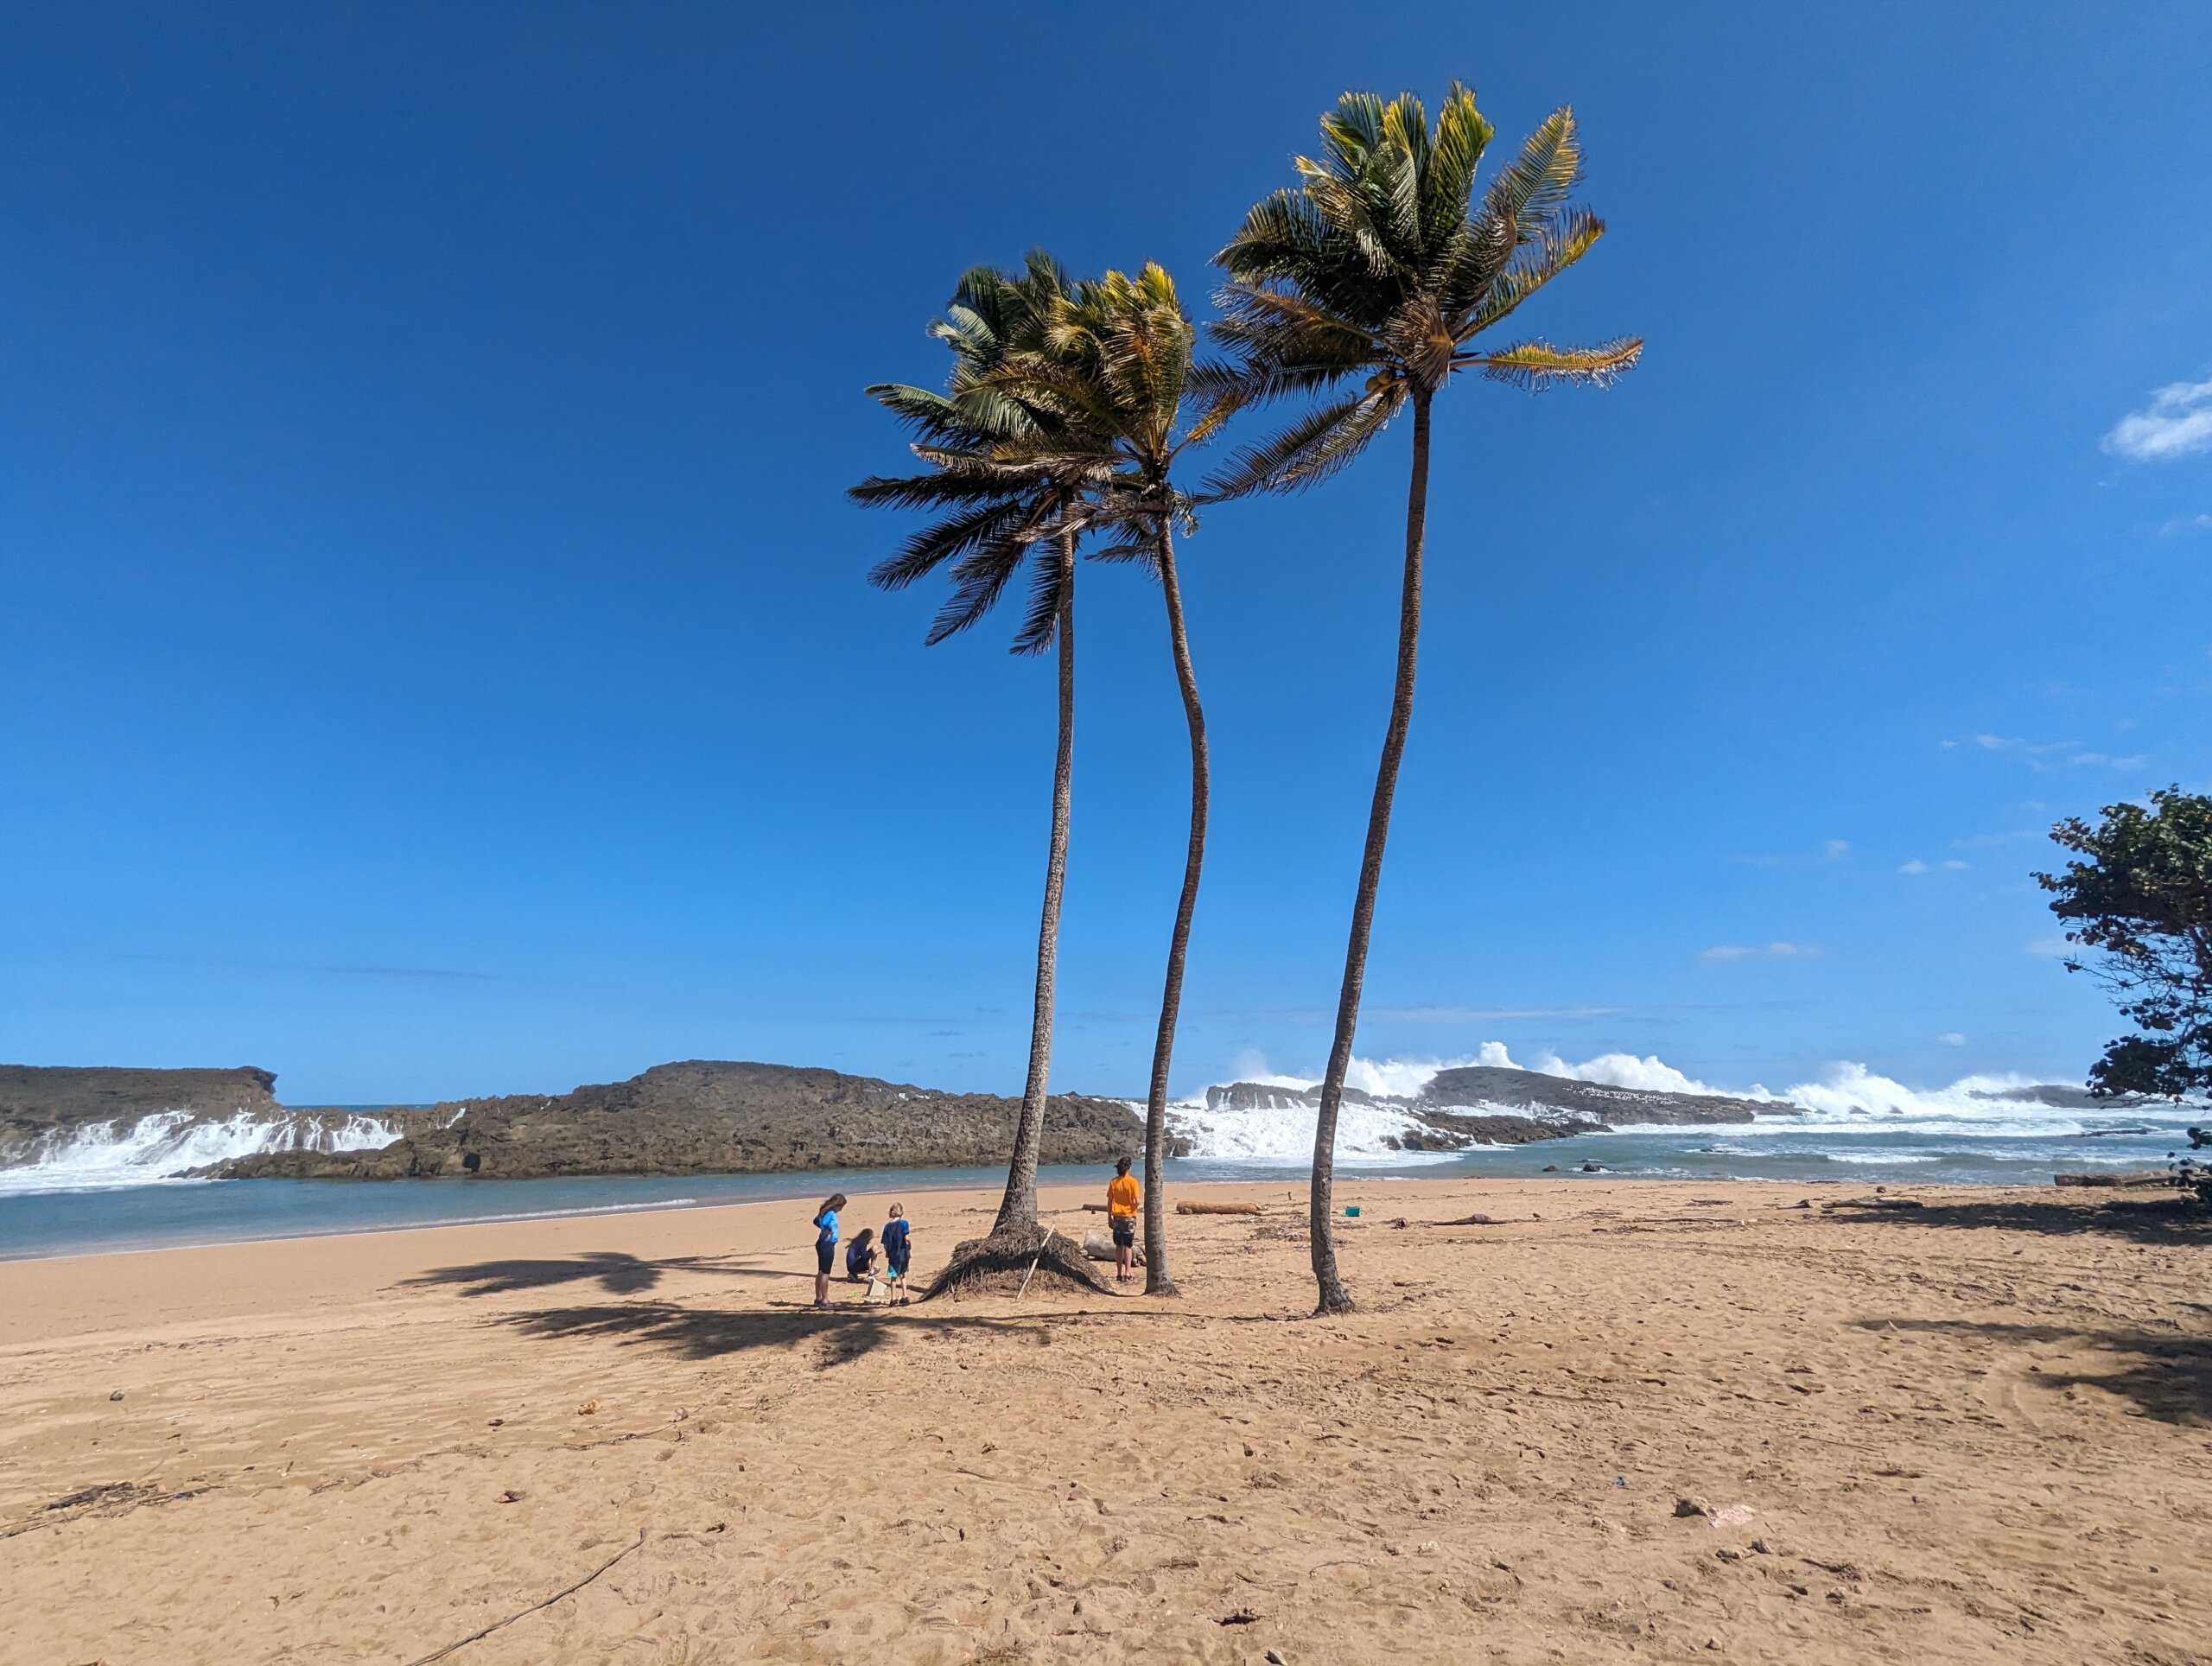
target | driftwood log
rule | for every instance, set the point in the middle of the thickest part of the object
(1187, 1207)
(2139, 1177)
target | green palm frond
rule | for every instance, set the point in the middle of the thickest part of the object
(1447, 187)
(1558, 245)
(1048, 586)
(1309, 450)
(1538, 365)
(1537, 183)
(954, 536)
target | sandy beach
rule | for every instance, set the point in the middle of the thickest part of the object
(1626, 1420)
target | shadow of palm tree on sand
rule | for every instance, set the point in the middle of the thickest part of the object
(616, 1274)
(2166, 1375)
(846, 1333)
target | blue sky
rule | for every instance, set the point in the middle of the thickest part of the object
(434, 657)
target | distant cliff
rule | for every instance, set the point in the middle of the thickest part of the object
(706, 1116)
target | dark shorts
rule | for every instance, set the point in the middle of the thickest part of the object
(1125, 1231)
(825, 1257)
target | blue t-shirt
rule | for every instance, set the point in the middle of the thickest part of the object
(827, 1220)
(895, 1245)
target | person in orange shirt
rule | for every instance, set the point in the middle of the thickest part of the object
(1123, 1194)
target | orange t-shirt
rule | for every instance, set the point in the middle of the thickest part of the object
(1122, 1195)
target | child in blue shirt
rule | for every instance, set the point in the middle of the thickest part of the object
(825, 1245)
(897, 1252)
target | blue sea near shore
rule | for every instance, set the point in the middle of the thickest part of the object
(96, 1220)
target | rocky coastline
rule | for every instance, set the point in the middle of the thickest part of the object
(707, 1116)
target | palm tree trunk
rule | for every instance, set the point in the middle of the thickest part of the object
(1334, 1299)
(1158, 1281)
(1018, 1210)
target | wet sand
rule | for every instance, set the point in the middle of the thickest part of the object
(1630, 1420)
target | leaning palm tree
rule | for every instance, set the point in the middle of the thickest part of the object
(1116, 368)
(1005, 486)
(1380, 270)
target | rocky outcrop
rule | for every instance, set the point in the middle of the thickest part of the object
(706, 1116)
(1485, 1085)
(1481, 1105)
(40, 1103)
(1267, 1095)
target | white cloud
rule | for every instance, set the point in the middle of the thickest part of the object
(2186, 523)
(2050, 945)
(1952, 1039)
(1724, 952)
(2043, 756)
(1834, 848)
(1915, 865)
(1954, 864)
(2177, 422)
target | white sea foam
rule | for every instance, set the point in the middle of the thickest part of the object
(165, 1144)
(1364, 1133)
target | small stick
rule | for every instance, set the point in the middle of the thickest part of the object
(1032, 1273)
(566, 1591)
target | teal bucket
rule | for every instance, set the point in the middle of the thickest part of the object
(1352, 1210)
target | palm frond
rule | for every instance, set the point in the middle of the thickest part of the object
(1309, 450)
(1455, 156)
(1536, 184)
(1049, 583)
(1558, 245)
(954, 536)
(1538, 365)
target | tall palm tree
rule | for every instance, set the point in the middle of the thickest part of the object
(1117, 368)
(1005, 486)
(1378, 269)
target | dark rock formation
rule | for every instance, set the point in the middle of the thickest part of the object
(1263, 1096)
(1532, 1090)
(2066, 1098)
(710, 1117)
(37, 1097)
(1460, 1108)
(41, 1104)
(1449, 1130)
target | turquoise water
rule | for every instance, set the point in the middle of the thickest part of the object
(154, 1216)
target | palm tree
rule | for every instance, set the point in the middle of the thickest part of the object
(1117, 368)
(1377, 268)
(1005, 487)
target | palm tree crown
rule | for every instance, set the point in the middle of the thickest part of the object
(1379, 266)
(1001, 479)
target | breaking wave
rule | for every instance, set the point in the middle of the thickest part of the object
(164, 1145)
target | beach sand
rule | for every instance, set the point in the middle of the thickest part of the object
(1978, 1430)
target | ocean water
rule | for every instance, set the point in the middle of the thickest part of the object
(115, 1187)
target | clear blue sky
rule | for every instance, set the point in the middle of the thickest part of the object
(434, 657)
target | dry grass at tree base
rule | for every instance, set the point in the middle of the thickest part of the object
(1010, 1263)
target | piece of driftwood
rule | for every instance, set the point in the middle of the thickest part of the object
(1187, 1207)
(2138, 1177)
(1465, 1220)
